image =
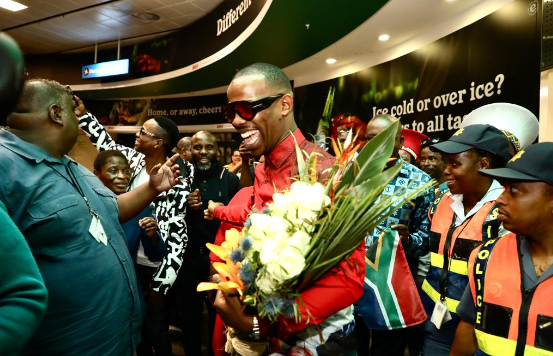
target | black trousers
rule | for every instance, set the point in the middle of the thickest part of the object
(155, 326)
(383, 343)
(189, 303)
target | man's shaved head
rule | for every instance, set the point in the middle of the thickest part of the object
(45, 116)
(205, 134)
(274, 76)
(183, 148)
(39, 94)
(184, 143)
(380, 123)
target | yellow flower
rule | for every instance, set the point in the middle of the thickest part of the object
(232, 239)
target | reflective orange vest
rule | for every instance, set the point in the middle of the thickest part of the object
(510, 320)
(450, 282)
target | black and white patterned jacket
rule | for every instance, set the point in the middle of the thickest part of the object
(169, 208)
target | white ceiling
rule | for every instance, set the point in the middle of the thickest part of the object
(101, 23)
(410, 23)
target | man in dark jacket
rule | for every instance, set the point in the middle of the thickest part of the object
(211, 182)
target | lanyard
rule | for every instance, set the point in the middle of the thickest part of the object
(75, 184)
(447, 252)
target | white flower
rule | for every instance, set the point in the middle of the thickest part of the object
(278, 225)
(265, 226)
(310, 200)
(259, 223)
(310, 196)
(289, 264)
(283, 205)
(269, 251)
(300, 241)
(265, 283)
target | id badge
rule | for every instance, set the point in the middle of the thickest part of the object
(97, 230)
(440, 314)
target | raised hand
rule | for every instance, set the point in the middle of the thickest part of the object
(80, 109)
(164, 177)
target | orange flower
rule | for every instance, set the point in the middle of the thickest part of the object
(230, 281)
(228, 272)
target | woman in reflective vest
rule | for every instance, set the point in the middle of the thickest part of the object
(461, 220)
(447, 277)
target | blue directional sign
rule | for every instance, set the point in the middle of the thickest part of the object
(106, 69)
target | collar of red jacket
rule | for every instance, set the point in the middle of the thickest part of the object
(282, 152)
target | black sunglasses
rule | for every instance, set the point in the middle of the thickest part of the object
(248, 109)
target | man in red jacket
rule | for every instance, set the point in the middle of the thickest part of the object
(261, 108)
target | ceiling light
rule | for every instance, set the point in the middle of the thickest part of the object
(331, 61)
(450, 0)
(12, 5)
(384, 37)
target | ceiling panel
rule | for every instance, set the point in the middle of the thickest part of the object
(131, 20)
(114, 24)
(128, 6)
(171, 2)
(151, 4)
(207, 5)
(188, 8)
(99, 24)
(165, 25)
(73, 20)
(111, 11)
(184, 21)
(168, 12)
(47, 9)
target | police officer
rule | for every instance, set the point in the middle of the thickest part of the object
(507, 308)
(460, 220)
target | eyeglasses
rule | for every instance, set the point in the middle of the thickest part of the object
(145, 132)
(248, 109)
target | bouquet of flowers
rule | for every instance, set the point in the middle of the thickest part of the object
(308, 229)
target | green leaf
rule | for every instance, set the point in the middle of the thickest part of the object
(372, 158)
(378, 182)
(302, 171)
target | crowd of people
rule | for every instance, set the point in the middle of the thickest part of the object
(102, 262)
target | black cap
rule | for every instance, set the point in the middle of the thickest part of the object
(530, 165)
(484, 137)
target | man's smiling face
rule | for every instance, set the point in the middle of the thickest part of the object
(267, 128)
(204, 150)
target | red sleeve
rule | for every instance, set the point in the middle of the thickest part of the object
(234, 215)
(243, 196)
(336, 290)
